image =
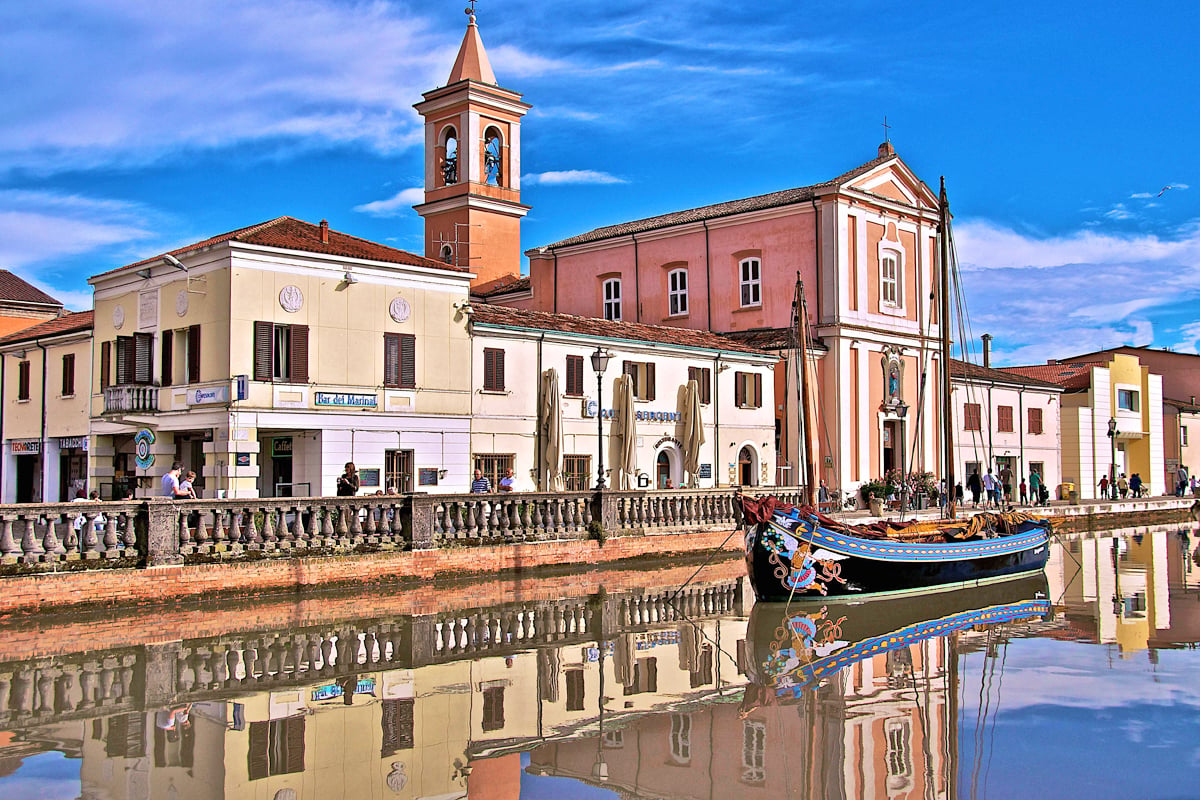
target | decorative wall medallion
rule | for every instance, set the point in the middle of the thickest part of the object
(142, 453)
(400, 309)
(181, 302)
(118, 317)
(397, 779)
(291, 299)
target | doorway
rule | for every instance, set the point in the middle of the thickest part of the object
(893, 445)
(662, 471)
(28, 472)
(281, 466)
(398, 471)
(746, 463)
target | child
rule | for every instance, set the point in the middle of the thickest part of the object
(185, 488)
(1024, 493)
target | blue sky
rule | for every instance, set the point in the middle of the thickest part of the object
(131, 127)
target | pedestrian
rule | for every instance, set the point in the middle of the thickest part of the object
(506, 483)
(1195, 486)
(1181, 480)
(823, 496)
(975, 484)
(481, 485)
(1135, 484)
(990, 488)
(185, 486)
(943, 495)
(170, 482)
(1123, 486)
(1024, 493)
(1035, 486)
(958, 494)
(1103, 486)
(348, 482)
(1006, 482)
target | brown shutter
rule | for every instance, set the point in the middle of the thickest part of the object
(706, 386)
(264, 335)
(125, 360)
(168, 350)
(500, 369)
(299, 354)
(294, 746)
(257, 762)
(391, 359)
(649, 381)
(68, 378)
(105, 365)
(193, 362)
(408, 361)
(758, 390)
(493, 369)
(143, 346)
(488, 368)
(739, 389)
(23, 381)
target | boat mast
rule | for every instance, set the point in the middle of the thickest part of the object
(805, 386)
(944, 330)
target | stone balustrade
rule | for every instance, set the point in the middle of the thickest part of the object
(132, 398)
(159, 531)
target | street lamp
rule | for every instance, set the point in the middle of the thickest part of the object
(1112, 467)
(599, 364)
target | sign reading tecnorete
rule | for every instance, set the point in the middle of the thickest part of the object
(344, 399)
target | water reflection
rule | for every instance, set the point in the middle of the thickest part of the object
(639, 692)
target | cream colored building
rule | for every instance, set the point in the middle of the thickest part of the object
(736, 389)
(46, 373)
(1181, 434)
(266, 358)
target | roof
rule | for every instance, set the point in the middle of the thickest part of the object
(968, 371)
(68, 323)
(769, 338)
(472, 62)
(758, 203)
(1071, 377)
(1183, 405)
(505, 284)
(1129, 349)
(289, 233)
(487, 314)
(18, 290)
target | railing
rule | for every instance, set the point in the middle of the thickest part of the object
(130, 398)
(161, 531)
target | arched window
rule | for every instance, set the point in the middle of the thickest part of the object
(612, 299)
(492, 150)
(750, 282)
(450, 157)
(677, 292)
(447, 254)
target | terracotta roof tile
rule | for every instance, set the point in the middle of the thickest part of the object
(758, 203)
(68, 323)
(502, 285)
(1071, 377)
(18, 290)
(487, 314)
(288, 233)
(769, 338)
(969, 371)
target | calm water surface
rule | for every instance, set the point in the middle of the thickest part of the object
(1079, 683)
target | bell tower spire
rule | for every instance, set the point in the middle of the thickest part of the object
(472, 207)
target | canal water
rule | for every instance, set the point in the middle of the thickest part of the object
(1079, 683)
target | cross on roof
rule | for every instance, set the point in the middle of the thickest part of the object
(886, 130)
(470, 11)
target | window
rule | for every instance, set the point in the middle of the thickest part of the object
(575, 690)
(398, 470)
(493, 708)
(747, 390)
(1004, 419)
(889, 279)
(751, 282)
(613, 740)
(643, 379)
(612, 299)
(575, 376)
(645, 677)
(703, 378)
(23, 380)
(280, 352)
(972, 417)
(494, 466)
(1035, 420)
(193, 354)
(677, 292)
(276, 747)
(754, 751)
(899, 759)
(184, 343)
(400, 360)
(135, 359)
(1127, 400)
(168, 351)
(1183, 435)
(492, 151)
(68, 376)
(577, 473)
(493, 369)
(681, 738)
(105, 365)
(450, 160)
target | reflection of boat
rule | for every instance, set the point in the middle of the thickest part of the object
(797, 553)
(796, 647)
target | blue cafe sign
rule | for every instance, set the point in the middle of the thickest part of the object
(345, 399)
(590, 407)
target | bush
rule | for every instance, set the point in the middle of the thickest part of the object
(596, 531)
(878, 487)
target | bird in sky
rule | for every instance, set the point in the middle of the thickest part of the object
(1163, 191)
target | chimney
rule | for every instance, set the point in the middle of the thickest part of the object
(886, 150)
(1051, 361)
(324, 232)
(987, 351)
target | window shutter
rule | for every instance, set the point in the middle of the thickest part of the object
(649, 381)
(408, 361)
(294, 744)
(143, 346)
(299, 354)
(391, 359)
(706, 386)
(739, 389)
(758, 390)
(574, 375)
(488, 369)
(68, 378)
(263, 336)
(125, 360)
(168, 349)
(193, 362)
(500, 370)
(23, 381)
(105, 365)
(257, 763)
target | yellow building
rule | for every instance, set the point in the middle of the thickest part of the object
(46, 369)
(266, 358)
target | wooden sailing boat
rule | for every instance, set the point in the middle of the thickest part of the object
(797, 552)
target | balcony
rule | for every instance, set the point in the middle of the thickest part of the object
(131, 398)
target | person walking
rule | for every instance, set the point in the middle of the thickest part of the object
(990, 488)
(975, 485)
(1135, 485)
(1006, 483)
(1181, 481)
(348, 482)
(507, 483)
(1035, 487)
(481, 485)
(1123, 486)
(1104, 487)
(1024, 493)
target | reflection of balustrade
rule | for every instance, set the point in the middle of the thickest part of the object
(130, 398)
(49, 691)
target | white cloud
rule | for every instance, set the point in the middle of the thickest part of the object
(396, 205)
(37, 227)
(570, 176)
(1189, 338)
(983, 244)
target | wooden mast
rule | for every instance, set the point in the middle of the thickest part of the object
(944, 330)
(808, 413)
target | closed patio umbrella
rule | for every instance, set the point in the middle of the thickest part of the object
(627, 431)
(550, 429)
(693, 434)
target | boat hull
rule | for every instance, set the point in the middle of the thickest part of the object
(791, 557)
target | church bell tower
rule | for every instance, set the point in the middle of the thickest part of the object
(472, 207)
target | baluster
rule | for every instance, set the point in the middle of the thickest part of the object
(184, 535)
(355, 524)
(328, 533)
(251, 534)
(472, 509)
(516, 530)
(300, 535)
(270, 540)
(51, 546)
(527, 519)
(202, 536)
(453, 525)
(9, 549)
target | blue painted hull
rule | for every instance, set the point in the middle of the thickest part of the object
(795, 557)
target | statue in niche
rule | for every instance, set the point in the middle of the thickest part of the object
(893, 377)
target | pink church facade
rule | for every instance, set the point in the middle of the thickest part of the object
(864, 246)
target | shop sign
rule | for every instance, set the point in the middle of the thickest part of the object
(706, 470)
(208, 394)
(281, 447)
(427, 476)
(668, 440)
(242, 460)
(590, 406)
(31, 448)
(332, 690)
(142, 454)
(368, 476)
(72, 443)
(344, 399)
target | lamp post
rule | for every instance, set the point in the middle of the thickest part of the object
(1112, 465)
(599, 364)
